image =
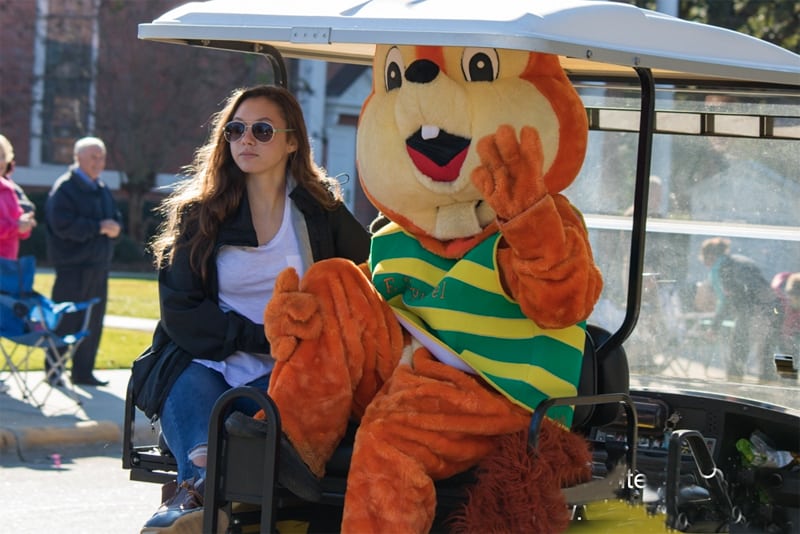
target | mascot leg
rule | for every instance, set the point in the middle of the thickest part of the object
(335, 342)
(430, 421)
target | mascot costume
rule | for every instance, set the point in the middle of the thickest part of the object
(471, 309)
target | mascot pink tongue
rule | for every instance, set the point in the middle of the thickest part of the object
(440, 159)
(472, 308)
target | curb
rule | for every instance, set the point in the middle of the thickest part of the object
(82, 433)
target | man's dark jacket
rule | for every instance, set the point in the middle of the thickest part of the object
(73, 212)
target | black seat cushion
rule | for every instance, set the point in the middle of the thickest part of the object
(611, 376)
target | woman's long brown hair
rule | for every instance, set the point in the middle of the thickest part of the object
(215, 185)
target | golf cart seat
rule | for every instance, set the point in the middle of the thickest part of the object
(243, 465)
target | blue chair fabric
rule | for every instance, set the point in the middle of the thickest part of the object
(28, 322)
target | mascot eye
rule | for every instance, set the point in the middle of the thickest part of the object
(394, 69)
(480, 64)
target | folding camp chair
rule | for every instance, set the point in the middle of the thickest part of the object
(28, 321)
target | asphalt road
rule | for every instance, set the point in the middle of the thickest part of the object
(89, 493)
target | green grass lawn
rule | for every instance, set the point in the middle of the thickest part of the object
(129, 294)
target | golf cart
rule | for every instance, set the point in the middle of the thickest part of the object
(693, 134)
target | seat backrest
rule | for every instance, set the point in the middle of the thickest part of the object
(16, 276)
(601, 372)
(22, 308)
(16, 282)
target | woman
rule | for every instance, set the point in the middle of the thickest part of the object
(787, 286)
(256, 204)
(16, 223)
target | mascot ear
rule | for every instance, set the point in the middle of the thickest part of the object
(546, 73)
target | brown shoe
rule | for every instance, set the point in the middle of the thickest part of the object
(182, 513)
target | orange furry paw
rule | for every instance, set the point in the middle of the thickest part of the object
(290, 316)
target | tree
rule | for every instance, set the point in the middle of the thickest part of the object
(775, 21)
(154, 99)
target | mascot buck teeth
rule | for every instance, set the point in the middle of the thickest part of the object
(472, 308)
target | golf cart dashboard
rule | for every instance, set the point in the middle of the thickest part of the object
(753, 450)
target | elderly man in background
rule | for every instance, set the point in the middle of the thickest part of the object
(83, 223)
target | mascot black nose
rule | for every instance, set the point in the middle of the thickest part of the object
(422, 71)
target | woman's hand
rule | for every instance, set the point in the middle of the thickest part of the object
(26, 222)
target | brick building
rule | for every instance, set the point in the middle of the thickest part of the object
(70, 68)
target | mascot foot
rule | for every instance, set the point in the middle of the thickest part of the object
(293, 473)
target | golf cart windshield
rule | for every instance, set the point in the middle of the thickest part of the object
(694, 135)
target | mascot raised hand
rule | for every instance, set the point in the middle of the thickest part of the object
(472, 308)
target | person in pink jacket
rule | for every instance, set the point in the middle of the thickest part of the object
(15, 223)
(787, 286)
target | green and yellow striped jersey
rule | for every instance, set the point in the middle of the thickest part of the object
(461, 305)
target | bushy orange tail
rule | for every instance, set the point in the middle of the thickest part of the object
(519, 491)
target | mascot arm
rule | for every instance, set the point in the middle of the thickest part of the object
(545, 259)
(290, 316)
(333, 308)
(294, 314)
(550, 273)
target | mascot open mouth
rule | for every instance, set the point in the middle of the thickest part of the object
(436, 153)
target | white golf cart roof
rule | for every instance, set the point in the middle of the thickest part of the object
(592, 36)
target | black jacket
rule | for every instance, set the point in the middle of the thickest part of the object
(190, 312)
(746, 291)
(73, 212)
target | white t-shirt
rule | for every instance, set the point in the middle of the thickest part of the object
(246, 278)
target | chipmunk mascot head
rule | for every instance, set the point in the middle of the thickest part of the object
(472, 308)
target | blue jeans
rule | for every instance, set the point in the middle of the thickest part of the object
(187, 411)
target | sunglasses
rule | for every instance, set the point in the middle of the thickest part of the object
(262, 131)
